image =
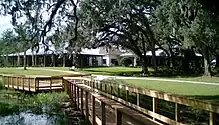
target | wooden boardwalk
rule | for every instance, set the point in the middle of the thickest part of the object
(36, 83)
(112, 108)
(101, 110)
(105, 103)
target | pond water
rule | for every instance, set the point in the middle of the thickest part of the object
(38, 109)
(28, 118)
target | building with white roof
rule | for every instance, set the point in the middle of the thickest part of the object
(101, 56)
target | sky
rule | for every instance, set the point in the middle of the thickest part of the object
(5, 23)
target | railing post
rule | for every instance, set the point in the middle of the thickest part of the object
(86, 106)
(75, 94)
(118, 116)
(177, 112)
(138, 99)
(154, 106)
(103, 113)
(38, 84)
(50, 84)
(111, 89)
(93, 84)
(118, 90)
(93, 111)
(82, 110)
(127, 93)
(29, 83)
(12, 82)
(23, 79)
(78, 98)
(105, 89)
(17, 81)
(35, 81)
(212, 118)
(63, 83)
(72, 89)
(8, 81)
(101, 87)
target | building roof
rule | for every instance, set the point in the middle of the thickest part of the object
(85, 51)
(158, 52)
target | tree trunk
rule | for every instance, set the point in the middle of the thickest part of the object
(144, 65)
(53, 60)
(44, 60)
(217, 61)
(63, 64)
(18, 60)
(206, 61)
(6, 61)
(33, 62)
(154, 61)
(186, 61)
(25, 67)
(172, 61)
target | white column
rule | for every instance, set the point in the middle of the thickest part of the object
(100, 60)
(90, 60)
(109, 61)
(135, 61)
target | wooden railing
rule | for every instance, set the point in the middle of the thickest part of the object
(87, 100)
(179, 104)
(35, 83)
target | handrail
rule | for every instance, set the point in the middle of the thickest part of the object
(164, 96)
(178, 100)
(120, 110)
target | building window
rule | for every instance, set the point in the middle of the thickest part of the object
(104, 61)
(114, 62)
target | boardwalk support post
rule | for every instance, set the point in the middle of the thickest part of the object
(154, 106)
(103, 113)
(93, 111)
(212, 118)
(86, 106)
(176, 112)
(118, 117)
(82, 110)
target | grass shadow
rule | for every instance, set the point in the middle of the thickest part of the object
(165, 73)
(212, 99)
(116, 73)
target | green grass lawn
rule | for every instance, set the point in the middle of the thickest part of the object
(119, 70)
(105, 70)
(19, 71)
(199, 91)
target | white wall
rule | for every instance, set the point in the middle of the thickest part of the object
(108, 59)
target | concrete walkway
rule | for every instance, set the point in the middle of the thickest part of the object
(101, 77)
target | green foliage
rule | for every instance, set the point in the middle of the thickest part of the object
(8, 42)
(136, 25)
(125, 62)
(40, 103)
(1, 84)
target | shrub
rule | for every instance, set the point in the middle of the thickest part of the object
(126, 62)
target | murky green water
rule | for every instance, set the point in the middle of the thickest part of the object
(29, 118)
(39, 109)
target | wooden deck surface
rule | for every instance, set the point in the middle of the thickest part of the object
(110, 112)
(42, 86)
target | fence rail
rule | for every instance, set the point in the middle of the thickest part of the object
(122, 93)
(87, 100)
(35, 83)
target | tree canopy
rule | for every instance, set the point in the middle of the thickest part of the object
(175, 26)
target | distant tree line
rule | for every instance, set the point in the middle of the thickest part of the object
(179, 28)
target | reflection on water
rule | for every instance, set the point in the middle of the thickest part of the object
(28, 118)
